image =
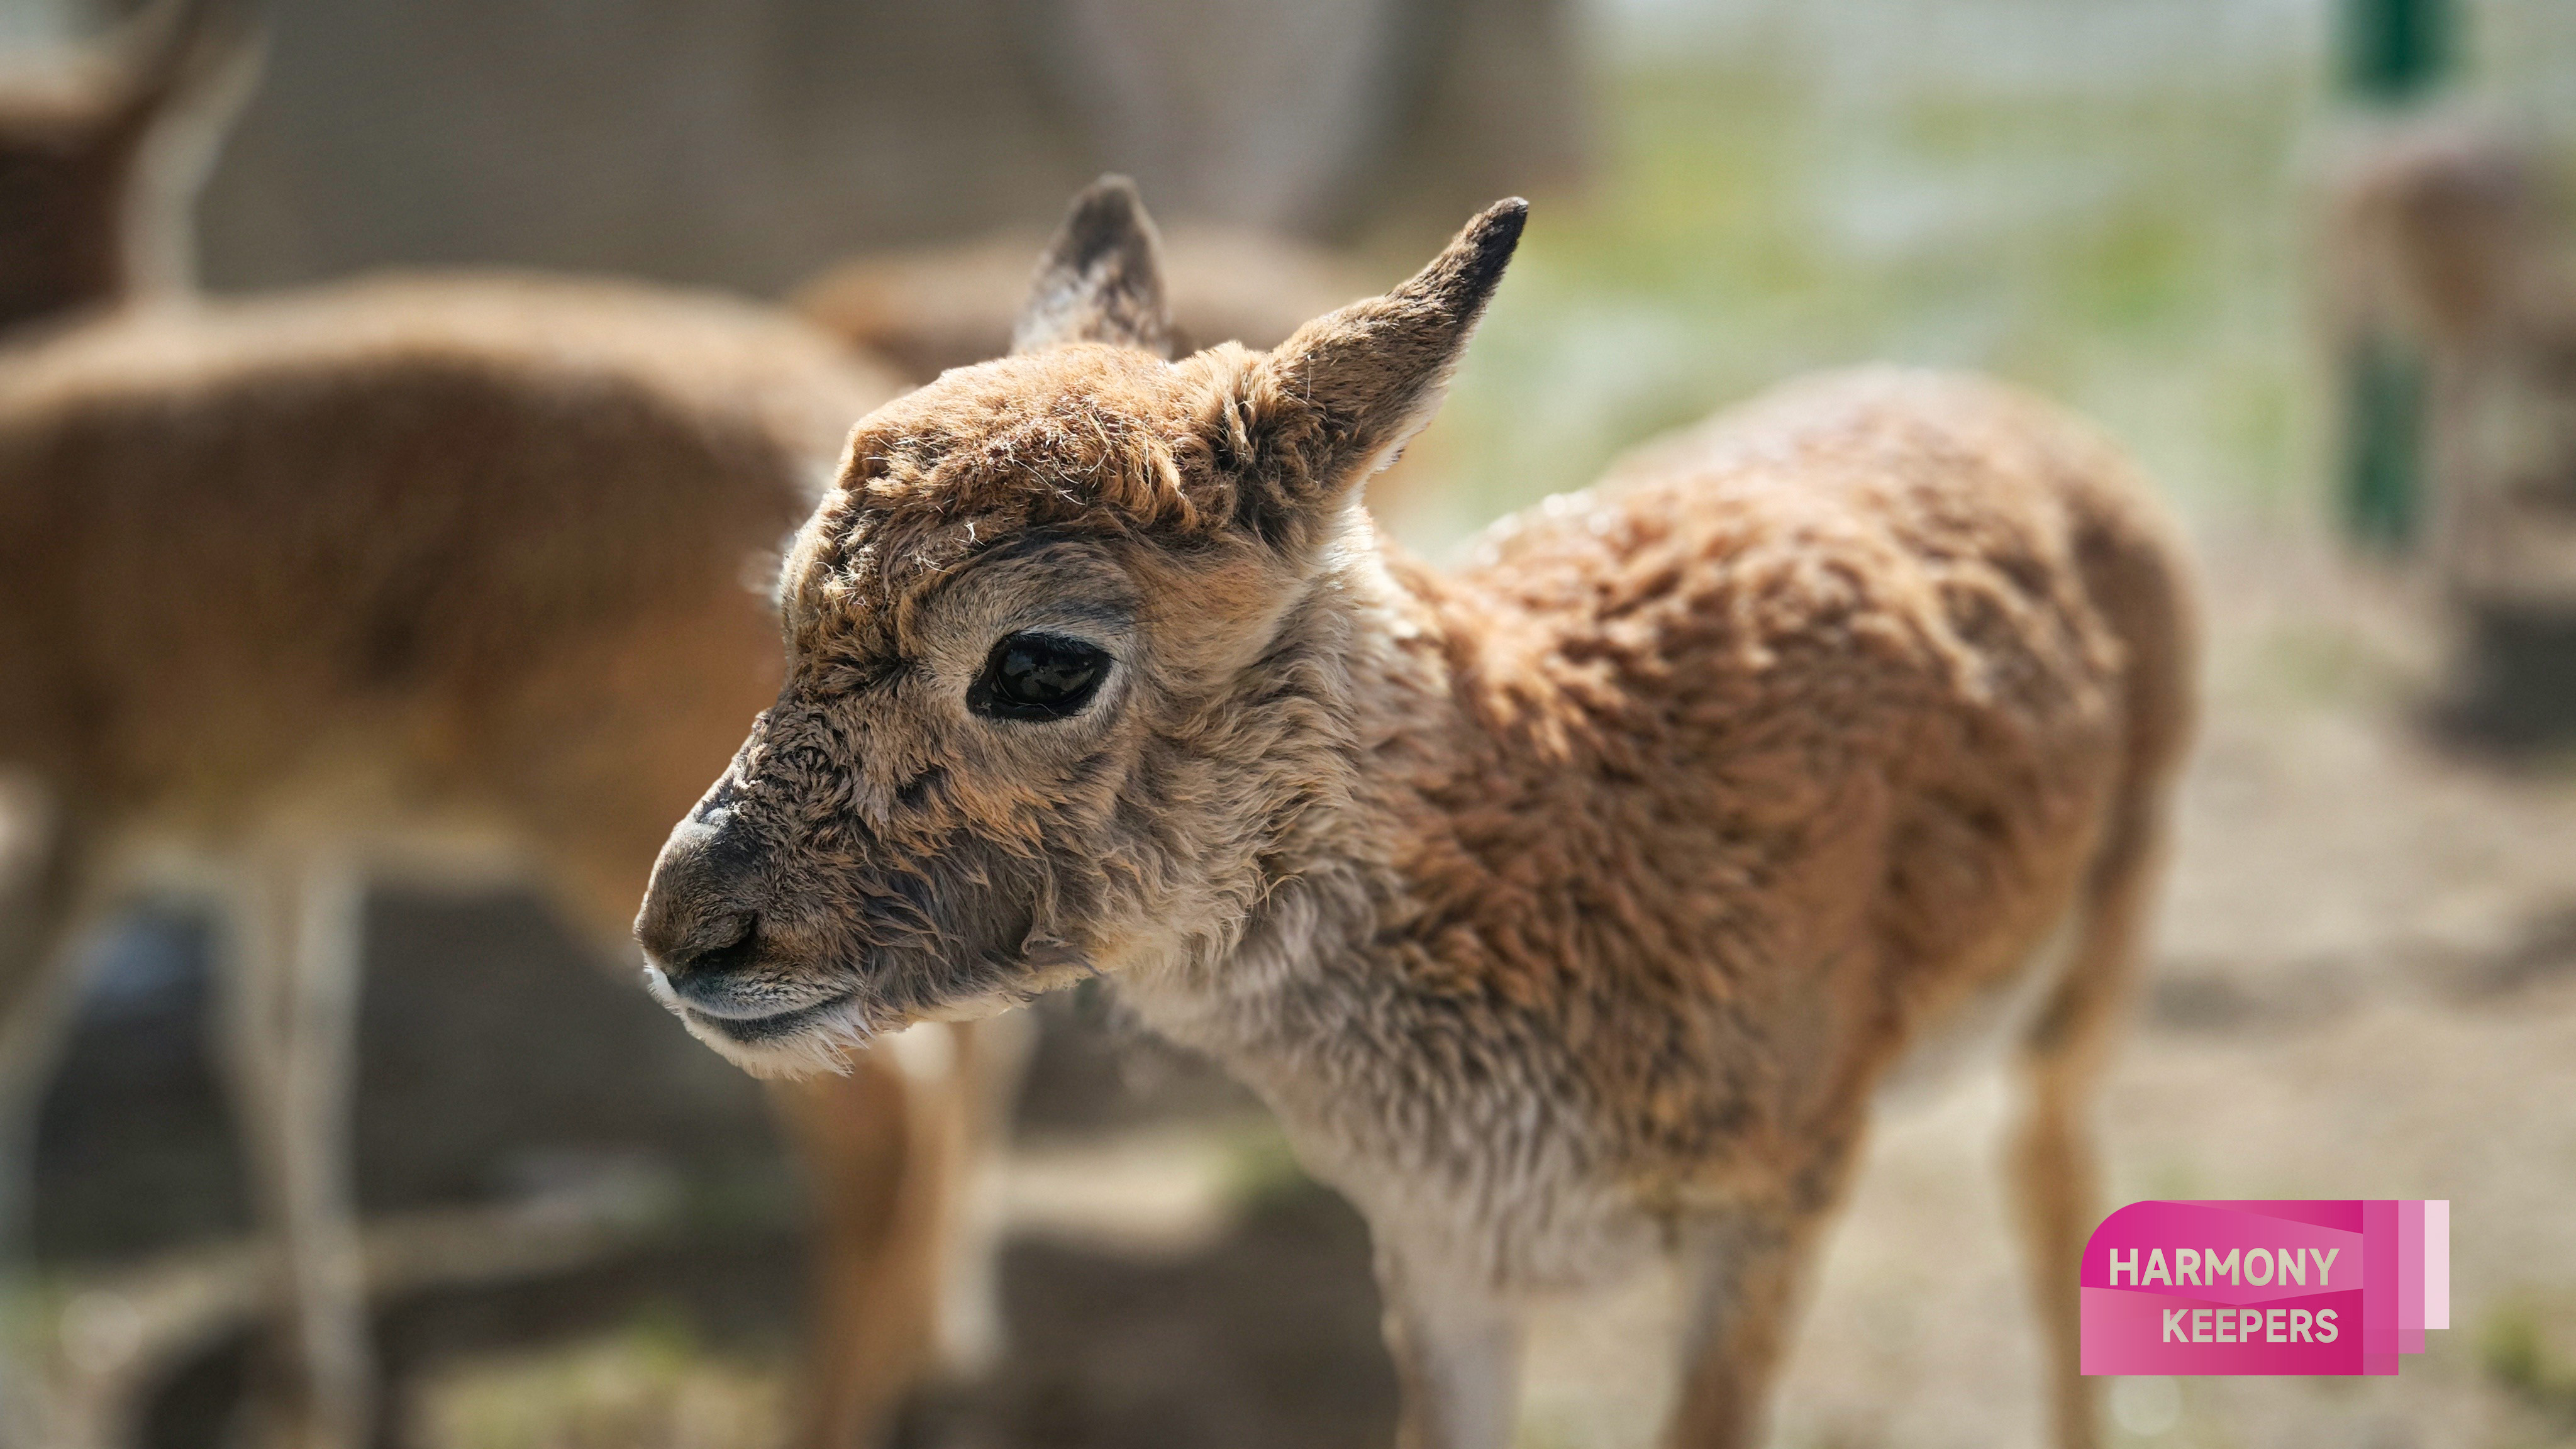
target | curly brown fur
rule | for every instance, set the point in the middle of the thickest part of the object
(1568, 909)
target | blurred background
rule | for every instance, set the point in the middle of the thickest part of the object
(2302, 257)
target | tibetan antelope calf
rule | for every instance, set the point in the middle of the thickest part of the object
(431, 575)
(1567, 909)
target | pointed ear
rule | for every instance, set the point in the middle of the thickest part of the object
(1341, 395)
(1101, 279)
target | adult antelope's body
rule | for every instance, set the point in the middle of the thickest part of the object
(1567, 909)
(428, 575)
(430, 579)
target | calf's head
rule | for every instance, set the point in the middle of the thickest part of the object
(1062, 688)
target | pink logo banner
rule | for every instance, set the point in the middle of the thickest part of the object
(2329, 1287)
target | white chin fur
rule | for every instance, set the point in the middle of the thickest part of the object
(822, 1048)
(824, 1045)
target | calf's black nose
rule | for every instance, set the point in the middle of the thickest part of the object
(699, 918)
(721, 943)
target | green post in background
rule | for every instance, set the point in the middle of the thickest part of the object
(2383, 458)
(2394, 52)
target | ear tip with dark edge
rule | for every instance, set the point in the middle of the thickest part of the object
(1100, 278)
(1489, 240)
(1108, 214)
(1111, 195)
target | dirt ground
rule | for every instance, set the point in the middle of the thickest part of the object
(2365, 985)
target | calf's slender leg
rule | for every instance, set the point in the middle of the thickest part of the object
(1744, 1277)
(2053, 1163)
(1457, 1357)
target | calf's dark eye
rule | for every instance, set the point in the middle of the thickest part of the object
(1038, 677)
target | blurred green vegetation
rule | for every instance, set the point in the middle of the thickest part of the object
(651, 1386)
(2518, 1355)
(2128, 243)
(2112, 204)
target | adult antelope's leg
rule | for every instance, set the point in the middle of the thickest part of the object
(1457, 1357)
(291, 983)
(48, 889)
(895, 1157)
(2054, 1172)
(883, 1149)
(993, 1061)
(1744, 1281)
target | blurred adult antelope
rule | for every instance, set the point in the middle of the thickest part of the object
(1567, 909)
(410, 575)
(2448, 245)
